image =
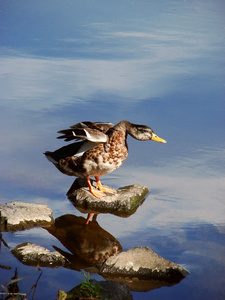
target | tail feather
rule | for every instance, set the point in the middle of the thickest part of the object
(74, 149)
(49, 156)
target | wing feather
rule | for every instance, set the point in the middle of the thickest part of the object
(104, 127)
(93, 132)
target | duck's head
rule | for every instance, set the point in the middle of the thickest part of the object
(143, 133)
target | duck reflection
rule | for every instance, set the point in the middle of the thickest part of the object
(89, 245)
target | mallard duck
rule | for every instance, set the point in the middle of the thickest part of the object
(102, 149)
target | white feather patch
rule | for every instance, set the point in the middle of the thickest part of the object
(85, 147)
(96, 137)
(92, 135)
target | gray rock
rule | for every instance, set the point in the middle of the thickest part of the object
(144, 263)
(19, 215)
(123, 203)
(35, 255)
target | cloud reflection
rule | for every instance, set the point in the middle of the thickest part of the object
(42, 83)
(142, 61)
(176, 199)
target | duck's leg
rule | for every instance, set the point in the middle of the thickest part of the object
(96, 193)
(89, 217)
(101, 188)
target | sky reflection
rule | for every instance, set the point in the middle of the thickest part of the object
(151, 58)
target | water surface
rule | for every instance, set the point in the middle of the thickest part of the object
(156, 63)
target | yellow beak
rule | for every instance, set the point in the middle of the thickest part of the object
(157, 138)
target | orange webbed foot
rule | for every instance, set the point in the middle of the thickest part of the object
(107, 190)
(104, 189)
(96, 193)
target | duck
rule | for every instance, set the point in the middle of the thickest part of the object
(98, 149)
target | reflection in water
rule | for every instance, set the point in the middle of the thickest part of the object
(142, 285)
(90, 245)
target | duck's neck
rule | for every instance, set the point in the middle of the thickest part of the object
(123, 125)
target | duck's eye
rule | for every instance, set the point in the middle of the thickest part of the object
(140, 131)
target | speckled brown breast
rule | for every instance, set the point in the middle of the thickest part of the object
(98, 161)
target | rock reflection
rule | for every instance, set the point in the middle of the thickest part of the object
(90, 245)
(142, 285)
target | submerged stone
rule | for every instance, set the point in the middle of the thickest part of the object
(35, 255)
(144, 263)
(113, 290)
(104, 289)
(20, 215)
(123, 203)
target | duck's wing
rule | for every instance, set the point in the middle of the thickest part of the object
(93, 132)
(73, 150)
(101, 126)
(92, 135)
(61, 153)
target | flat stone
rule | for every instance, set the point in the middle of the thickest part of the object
(19, 215)
(142, 262)
(123, 203)
(35, 255)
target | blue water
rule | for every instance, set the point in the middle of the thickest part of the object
(158, 63)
